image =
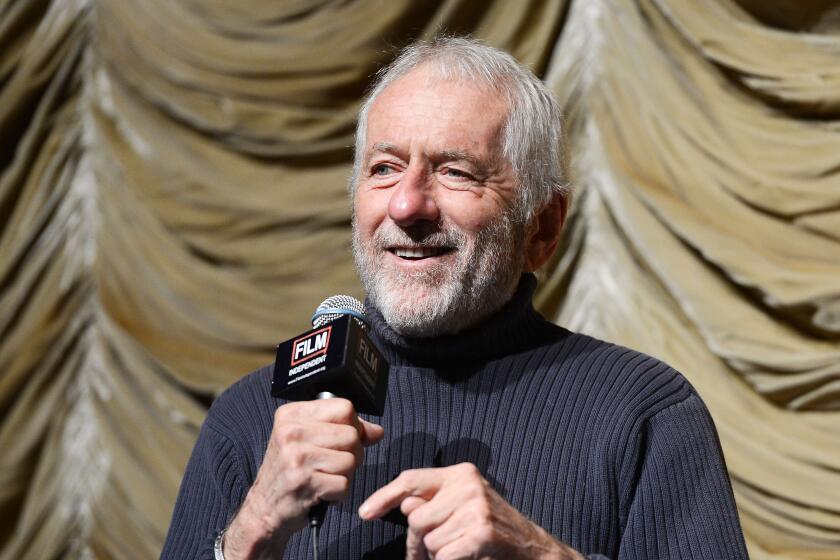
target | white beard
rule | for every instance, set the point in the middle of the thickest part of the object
(441, 299)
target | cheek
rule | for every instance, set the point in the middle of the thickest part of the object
(470, 216)
(370, 209)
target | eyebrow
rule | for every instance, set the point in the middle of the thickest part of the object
(385, 147)
(459, 155)
(446, 155)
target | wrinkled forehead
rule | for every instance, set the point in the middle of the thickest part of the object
(427, 103)
(439, 73)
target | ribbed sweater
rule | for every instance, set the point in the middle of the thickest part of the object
(611, 451)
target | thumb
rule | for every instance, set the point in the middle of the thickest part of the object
(371, 433)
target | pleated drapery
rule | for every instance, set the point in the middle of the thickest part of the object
(173, 204)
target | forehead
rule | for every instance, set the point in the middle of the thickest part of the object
(444, 114)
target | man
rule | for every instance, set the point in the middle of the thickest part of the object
(504, 436)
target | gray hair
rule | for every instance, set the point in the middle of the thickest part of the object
(534, 139)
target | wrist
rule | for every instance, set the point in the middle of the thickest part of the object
(555, 549)
(563, 551)
(250, 537)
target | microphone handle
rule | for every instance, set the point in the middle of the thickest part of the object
(319, 510)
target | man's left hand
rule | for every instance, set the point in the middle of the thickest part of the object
(453, 512)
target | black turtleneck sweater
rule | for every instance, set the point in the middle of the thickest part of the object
(608, 449)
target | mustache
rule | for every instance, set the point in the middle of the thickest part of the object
(392, 235)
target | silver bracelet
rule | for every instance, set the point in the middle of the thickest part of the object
(217, 546)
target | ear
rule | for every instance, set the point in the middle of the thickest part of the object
(544, 232)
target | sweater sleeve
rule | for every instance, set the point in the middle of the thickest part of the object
(682, 507)
(210, 494)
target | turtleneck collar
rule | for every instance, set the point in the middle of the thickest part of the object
(514, 327)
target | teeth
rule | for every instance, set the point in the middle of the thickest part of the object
(418, 252)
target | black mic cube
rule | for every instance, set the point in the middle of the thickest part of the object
(338, 358)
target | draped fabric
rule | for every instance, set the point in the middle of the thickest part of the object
(173, 204)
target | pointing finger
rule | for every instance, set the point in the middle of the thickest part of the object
(423, 483)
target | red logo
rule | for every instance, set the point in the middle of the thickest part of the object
(311, 345)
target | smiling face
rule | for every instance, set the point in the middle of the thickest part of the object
(433, 235)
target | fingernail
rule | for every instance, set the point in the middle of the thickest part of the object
(364, 511)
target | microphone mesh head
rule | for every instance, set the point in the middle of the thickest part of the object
(335, 305)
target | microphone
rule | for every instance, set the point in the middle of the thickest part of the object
(335, 359)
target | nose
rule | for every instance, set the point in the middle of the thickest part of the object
(413, 199)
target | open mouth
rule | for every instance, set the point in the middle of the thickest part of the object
(419, 253)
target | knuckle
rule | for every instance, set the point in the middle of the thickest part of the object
(350, 436)
(288, 410)
(416, 520)
(473, 492)
(344, 409)
(343, 485)
(348, 462)
(297, 480)
(404, 481)
(482, 511)
(483, 533)
(432, 545)
(345, 439)
(406, 510)
(468, 469)
(295, 456)
(407, 479)
(289, 433)
(281, 412)
(476, 487)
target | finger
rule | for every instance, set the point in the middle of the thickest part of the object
(432, 514)
(371, 433)
(332, 462)
(410, 504)
(331, 411)
(437, 538)
(319, 434)
(423, 483)
(335, 410)
(330, 487)
(358, 423)
(368, 432)
(414, 547)
(457, 549)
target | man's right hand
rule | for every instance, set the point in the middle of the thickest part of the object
(313, 450)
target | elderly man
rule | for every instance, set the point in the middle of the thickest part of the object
(504, 436)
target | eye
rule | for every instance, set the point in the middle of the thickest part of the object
(382, 169)
(456, 173)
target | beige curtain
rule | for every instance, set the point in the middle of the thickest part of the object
(172, 204)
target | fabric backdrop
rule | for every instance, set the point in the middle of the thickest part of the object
(173, 204)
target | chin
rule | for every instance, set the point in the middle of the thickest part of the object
(416, 309)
